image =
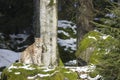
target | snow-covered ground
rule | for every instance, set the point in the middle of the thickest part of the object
(7, 57)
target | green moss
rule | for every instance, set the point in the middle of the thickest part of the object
(94, 33)
(60, 63)
(56, 74)
(68, 74)
(93, 74)
(87, 42)
(95, 45)
(103, 47)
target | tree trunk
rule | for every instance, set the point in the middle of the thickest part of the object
(119, 3)
(84, 16)
(43, 50)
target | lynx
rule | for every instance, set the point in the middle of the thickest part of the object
(33, 53)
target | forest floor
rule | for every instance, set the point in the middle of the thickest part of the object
(7, 57)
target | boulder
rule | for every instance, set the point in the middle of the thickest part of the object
(95, 45)
(19, 71)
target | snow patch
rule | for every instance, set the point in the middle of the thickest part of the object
(67, 24)
(66, 34)
(89, 68)
(25, 66)
(43, 75)
(47, 69)
(92, 37)
(68, 43)
(110, 15)
(83, 72)
(17, 73)
(68, 72)
(105, 36)
(7, 57)
(72, 62)
(32, 77)
(95, 78)
(83, 76)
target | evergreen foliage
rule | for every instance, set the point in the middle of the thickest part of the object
(66, 40)
(108, 66)
(109, 24)
(67, 10)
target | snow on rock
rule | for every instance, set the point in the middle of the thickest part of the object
(48, 69)
(17, 73)
(41, 75)
(105, 36)
(95, 78)
(25, 66)
(89, 68)
(31, 77)
(83, 72)
(72, 62)
(92, 37)
(83, 76)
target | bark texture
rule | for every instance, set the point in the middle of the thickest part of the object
(84, 16)
(44, 48)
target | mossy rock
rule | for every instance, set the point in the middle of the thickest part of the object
(95, 45)
(19, 71)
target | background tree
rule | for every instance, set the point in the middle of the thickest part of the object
(108, 17)
(84, 17)
(16, 16)
(67, 10)
(44, 50)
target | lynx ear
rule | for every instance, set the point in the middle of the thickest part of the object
(38, 42)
